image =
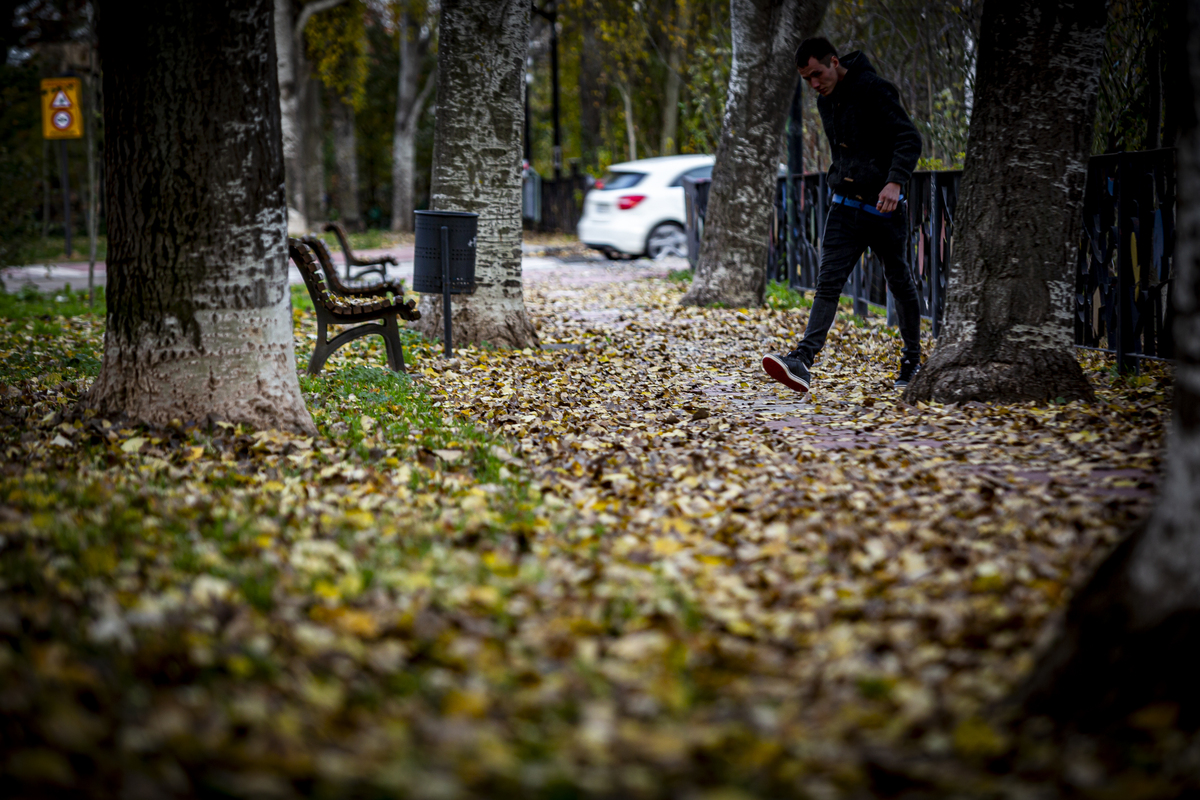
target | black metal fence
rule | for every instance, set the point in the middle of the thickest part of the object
(1123, 277)
(930, 200)
(554, 206)
(1123, 281)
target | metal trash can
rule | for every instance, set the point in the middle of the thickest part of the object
(461, 227)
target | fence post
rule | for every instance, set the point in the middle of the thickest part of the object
(935, 251)
(1126, 287)
(857, 279)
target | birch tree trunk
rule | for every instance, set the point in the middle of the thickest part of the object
(410, 103)
(289, 105)
(732, 268)
(630, 131)
(1131, 638)
(1008, 333)
(345, 151)
(199, 318)
(477, 162)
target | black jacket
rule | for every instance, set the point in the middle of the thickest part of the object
(872, 140)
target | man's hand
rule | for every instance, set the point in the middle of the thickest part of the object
(889, 198)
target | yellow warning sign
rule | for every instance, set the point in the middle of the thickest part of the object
(62, 118)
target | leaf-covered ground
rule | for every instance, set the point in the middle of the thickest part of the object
(621, 565)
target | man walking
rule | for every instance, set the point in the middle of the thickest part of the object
(875, 148)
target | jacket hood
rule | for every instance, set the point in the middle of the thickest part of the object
(855, 62)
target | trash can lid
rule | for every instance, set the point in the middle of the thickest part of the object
(447, 213)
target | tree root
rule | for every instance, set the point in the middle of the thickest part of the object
(960, 375)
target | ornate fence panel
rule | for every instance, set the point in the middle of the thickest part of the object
(930, 200)
(1125, 269)
(1124, 273)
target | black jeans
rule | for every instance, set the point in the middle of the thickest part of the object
(848, 232)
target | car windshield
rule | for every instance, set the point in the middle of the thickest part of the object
(695, 172)
(620, 180)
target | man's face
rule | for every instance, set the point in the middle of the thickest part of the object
(820, 77)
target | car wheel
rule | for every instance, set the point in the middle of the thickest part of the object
(667, 239)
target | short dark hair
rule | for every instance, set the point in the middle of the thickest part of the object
(817, 47)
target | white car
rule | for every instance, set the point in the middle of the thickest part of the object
(637, 208)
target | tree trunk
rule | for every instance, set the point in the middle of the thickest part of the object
(289, 105)
(312, 141)
(1008, 333)
(630, 131)
(676, 45)
(732, 268)
(345, 150)
(477, 162)
(1131, 638)
(591, 93)
(409, 105)
(199, 320)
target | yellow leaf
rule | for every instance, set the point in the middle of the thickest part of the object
(133, 445)
(665, 547)
(461, 703)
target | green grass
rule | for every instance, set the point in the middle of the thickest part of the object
(49, 337)
(28, 302)
(680, 276)
(53, 249)
(300, 298)
(401, 412)
(780, 297)
(370, 239)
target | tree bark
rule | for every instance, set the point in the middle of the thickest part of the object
(676, 44)
(312, 140)
(1010, 291)
(198, 311)
(591, 92)
(1131, 637)
(630, 131)
(477, 162)
(410, 103)
(345, 151)
(289, 105)
(732, 268)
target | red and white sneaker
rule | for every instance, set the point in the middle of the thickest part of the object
(790, 370)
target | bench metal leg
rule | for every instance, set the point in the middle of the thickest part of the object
(388, 329)
(391, 340)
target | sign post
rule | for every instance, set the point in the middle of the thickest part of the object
(62, 119)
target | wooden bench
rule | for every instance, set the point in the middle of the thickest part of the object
(377, 265)
(333, 309)
(379, 289)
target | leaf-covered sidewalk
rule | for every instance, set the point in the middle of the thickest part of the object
(621, 565)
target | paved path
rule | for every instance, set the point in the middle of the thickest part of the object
(575, 269)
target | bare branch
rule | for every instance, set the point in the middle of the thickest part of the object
(310, 9)
(419, 104)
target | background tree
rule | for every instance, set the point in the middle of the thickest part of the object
(1134, 111)
(733, 256)
(337, 47)
(477, 162)
(926, 49)
(20, 149)
(300, 106)
(1008, 334)
(199, 316)
(415, 35)
(1131, 636)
